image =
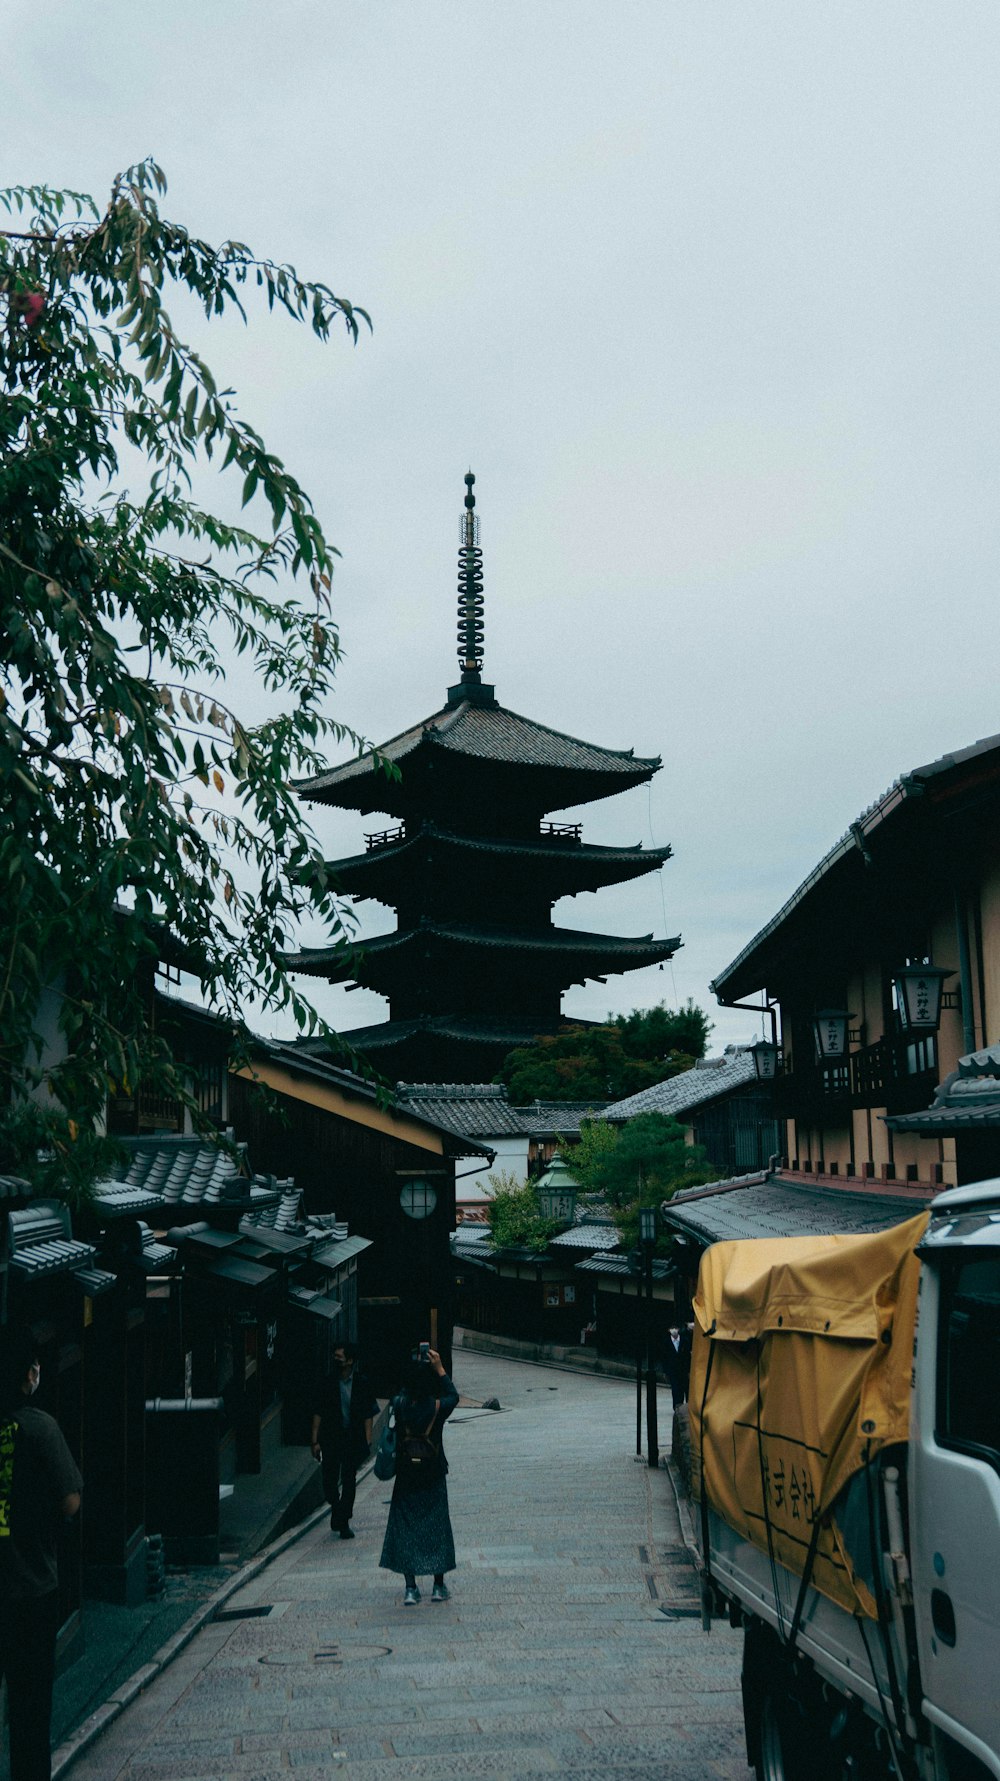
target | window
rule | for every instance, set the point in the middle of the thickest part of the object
(968, 1388)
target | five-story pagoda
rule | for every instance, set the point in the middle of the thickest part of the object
(472, 868)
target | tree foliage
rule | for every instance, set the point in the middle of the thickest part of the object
(516, 1221)
(606, 1063)
(133, 782)
(640, 1163)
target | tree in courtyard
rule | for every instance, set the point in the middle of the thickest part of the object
(606, 1063)
(516, 1220)
(139, 795)
(640, 1163)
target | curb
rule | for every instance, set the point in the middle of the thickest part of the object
(97, 1722)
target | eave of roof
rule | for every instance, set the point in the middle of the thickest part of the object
(555, 942)
(908, 787)
(302, 1062)
(574, 860)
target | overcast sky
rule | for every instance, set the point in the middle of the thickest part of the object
(706, 295)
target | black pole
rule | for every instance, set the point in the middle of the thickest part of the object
(652, 1432)
(638, 1367)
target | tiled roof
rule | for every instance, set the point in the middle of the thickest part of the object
(776, 1206)
(617, 1265)
(967, 1100)
(587, 1236)
(12, 1187)
(479, 1108)
(711, 1077)
(489, 733)
(483, 1108)
(188, 1171)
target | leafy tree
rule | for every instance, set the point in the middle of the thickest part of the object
(641, 1163)
(661, 1033)
(606, 1063)
(515, 1219)
(137, 793)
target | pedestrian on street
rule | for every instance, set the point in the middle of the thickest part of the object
(342, 1433)
(418, 1538)
(677, 1363)
(40, 1488)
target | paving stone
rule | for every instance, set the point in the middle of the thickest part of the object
(551, 1658)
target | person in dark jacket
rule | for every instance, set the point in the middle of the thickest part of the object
(677, 1363)
(342, 1434)
(418, 1538)
(39, 1491)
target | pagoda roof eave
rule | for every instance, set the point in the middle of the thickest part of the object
(575, 862)
(602, 952)
(463, 1029)
(492, 736)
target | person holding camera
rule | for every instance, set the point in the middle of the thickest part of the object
(418, 1538)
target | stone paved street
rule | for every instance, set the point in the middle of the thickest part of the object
(554, 1656)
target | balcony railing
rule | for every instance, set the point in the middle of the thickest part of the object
(384, 838)
(561, 831)
(897, 1073)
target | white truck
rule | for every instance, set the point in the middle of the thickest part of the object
(845, 1434)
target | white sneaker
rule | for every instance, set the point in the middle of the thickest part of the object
(439, 1593)
(410, 1598)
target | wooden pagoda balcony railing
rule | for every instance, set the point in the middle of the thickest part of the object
(570, 832)
(384, 838)
(897, 1073)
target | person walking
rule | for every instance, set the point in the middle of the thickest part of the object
(677, 1363)
(418, 1538)
(342, 1434)
(40, 1487)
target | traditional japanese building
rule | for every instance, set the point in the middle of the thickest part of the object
(472, 868)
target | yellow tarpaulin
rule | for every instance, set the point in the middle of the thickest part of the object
(806, 1347)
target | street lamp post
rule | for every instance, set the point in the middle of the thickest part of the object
(647, 1238)
(635, 1269)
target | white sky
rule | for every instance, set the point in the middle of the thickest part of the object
(705, 293)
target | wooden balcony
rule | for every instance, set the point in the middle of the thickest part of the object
(569, 832)
(897, 1073)
(384, 838)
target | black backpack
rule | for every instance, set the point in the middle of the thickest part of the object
(419, 1451)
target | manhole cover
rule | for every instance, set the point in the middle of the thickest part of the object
(328, 1654)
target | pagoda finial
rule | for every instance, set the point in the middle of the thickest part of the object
(470, 592)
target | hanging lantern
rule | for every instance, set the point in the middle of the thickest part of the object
(830, 1029)
(765, 1060)
(918, 996)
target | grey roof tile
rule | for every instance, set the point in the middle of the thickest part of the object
(587, 1236)
(490, 734)
(483, 1109)
(778, 1206)
(711, 1077)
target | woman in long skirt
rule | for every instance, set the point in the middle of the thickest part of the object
(418, 1538)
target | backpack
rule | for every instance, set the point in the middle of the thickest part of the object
(419, 1451)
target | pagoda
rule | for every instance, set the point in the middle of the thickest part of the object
(472, 868)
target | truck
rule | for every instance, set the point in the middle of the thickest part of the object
(845, 1480)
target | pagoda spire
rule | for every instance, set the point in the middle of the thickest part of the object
(470, 608)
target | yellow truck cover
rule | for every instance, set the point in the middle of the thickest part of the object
(800, 1373)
